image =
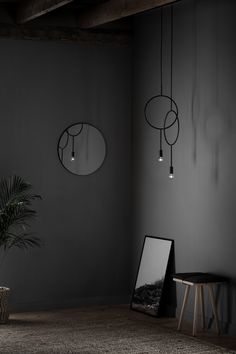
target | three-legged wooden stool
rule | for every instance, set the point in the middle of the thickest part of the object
(199, 281)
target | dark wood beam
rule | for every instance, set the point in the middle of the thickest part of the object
(31, 9)
(113, 10)
(97, 37)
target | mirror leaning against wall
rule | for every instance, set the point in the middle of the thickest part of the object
(151, 275)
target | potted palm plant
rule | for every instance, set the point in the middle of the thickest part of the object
(15, 215)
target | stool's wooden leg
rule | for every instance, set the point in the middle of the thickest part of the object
(213, 304)
(195, 309)
(183, 306)
(202, 306)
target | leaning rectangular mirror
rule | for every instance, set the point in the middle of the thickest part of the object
(151, 275)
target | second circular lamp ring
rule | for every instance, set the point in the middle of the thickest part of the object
(165, 128)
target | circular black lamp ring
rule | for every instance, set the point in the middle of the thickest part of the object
(176, 120)
(172, 102)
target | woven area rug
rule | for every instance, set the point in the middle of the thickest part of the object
(102, 330)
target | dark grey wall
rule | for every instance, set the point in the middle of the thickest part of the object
(83, 221)
(197, 208)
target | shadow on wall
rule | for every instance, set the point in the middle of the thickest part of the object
(209, 114)
(216, 127)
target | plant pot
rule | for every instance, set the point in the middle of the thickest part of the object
(4, 313)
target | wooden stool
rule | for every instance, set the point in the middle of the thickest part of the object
(199, 280)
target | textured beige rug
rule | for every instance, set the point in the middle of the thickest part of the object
(102, 330)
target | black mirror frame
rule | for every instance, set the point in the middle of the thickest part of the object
(165, 275)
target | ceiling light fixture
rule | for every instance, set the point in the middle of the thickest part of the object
(166, 105)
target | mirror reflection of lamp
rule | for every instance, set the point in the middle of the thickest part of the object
(81, 149)
(68, 136)
(73, 136)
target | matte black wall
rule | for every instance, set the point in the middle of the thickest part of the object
(84, 221)
(197, 208)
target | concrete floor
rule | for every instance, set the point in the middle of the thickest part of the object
(224, 341)
(209, 336)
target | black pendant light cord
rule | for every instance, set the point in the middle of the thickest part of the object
(173, 110)
(161, 51)
(171, 74)
(176, 120)
(171, 59)
(161, 67)
(161, 140)
(73, 144)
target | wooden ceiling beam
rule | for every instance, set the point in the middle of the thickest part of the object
(66, 34)
(31, 9)
(113, 10)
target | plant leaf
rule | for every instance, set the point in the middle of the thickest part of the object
(16, 213)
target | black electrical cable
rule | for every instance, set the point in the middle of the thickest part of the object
(161, 50)
(173, 106)
(171, 57)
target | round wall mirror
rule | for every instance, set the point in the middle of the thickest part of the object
(81, 149)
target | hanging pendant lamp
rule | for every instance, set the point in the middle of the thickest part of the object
(169, 117)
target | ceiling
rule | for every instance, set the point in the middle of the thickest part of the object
(77, 20)
(13, 6)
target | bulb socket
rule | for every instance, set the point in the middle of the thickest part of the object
(160, 155)
(171, 175)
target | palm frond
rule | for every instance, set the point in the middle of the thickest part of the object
(15, 190)
(15, 213)
(23, 241)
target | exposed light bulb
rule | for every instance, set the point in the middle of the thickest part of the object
(72, 156)
(160, 155)
(171, 174)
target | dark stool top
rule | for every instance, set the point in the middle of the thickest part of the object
(200, 277)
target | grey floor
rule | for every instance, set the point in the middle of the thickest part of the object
(75, 331)
(209, 336)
